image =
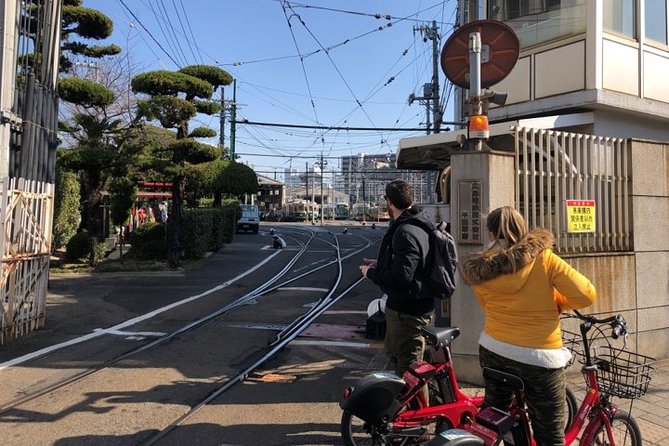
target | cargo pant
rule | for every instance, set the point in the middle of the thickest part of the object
(544, 394)
(403, 343)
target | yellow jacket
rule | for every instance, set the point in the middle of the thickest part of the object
(523, 290)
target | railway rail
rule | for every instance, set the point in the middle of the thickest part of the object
(312, 252)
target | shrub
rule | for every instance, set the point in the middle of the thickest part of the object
(78, 246)
(148, 241)
(66, 215)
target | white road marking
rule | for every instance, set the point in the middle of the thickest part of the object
(131, 333)
(130, 322)
(332, 343)
(303, 288)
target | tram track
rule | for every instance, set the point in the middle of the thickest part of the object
(288, 333)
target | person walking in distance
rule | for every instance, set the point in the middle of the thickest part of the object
(523, 286)
(397, 271)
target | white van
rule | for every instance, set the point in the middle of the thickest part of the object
(250, 218)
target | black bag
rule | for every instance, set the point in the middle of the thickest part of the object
(441, 264)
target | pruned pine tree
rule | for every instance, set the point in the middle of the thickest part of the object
(174, 99)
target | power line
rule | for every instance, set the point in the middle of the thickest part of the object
(325, 127)
(149, 33)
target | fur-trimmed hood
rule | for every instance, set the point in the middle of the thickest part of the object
(490, 264)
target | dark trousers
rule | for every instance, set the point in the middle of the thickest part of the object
(403, 343)
(544, 394)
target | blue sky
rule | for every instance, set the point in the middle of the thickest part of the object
(330, 67)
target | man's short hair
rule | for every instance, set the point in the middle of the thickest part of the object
(400, 194)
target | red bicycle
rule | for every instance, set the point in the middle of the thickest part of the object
(608, 371)
(385, 409)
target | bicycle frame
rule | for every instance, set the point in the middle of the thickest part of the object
(406, 407)
(591, 405)
(457, 407)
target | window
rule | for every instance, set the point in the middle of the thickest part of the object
(537, 21)
(620, 17)
(656, 20)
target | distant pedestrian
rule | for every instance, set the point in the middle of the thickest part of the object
(397, 271)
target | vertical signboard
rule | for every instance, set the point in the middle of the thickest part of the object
(469, 212)
(580, 216)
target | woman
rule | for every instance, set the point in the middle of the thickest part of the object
(523, 287)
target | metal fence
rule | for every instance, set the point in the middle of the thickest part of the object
(553, 166)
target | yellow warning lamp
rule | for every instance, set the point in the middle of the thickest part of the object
(478, 127)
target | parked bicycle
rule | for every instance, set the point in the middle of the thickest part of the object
(608, 371)
(385, 409)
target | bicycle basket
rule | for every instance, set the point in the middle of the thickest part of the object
(622, 373)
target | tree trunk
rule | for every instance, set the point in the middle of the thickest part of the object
(175, 223)
(218, 198)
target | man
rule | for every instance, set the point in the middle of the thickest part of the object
(398, 272)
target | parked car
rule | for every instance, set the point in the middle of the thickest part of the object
(250, 218)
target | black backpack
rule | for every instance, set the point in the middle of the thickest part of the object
(441, 263)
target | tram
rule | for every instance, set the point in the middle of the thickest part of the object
(341, 211)
(379, 212)
(360, 211)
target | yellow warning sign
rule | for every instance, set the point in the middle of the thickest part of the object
(580, 215)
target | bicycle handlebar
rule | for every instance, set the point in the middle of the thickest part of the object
(617, 322)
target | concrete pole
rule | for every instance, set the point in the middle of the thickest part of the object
(8, 20)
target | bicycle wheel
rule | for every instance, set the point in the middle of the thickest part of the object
(356, 432)
(625, 432)
(572, 408)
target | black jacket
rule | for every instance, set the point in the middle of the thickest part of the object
(401, 263)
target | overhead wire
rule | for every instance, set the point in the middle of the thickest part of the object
(183, 28)
(149, 33)
(304, 71)
(171, 31)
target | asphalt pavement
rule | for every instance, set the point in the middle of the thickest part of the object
(294, 398)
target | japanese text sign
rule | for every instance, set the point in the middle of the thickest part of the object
(580, 215)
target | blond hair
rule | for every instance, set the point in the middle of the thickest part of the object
(506, 224)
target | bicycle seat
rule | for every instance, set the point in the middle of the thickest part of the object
(509, 380)
(440, 337)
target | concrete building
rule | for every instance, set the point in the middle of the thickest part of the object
(587, 118)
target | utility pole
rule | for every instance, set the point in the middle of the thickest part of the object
(233, 119)
(430, 96)
(221, 133)
(321, 164)
(306, 180)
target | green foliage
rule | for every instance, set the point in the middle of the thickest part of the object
(213, 75)
(72, 2)
(192, 151)
(95, 51)
(86, 22)
(207, 107)
(66, 208)
(206, 230)
(123, 194)
(84, 92)
(202, 132)
(78, 247)
(238, 179)
(170, 111)
(171, 83)
(197, 181)
(232, 212)
(148, 242)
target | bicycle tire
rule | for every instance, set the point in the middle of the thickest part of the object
(356, 432)
(572, 408)
(625, 429)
